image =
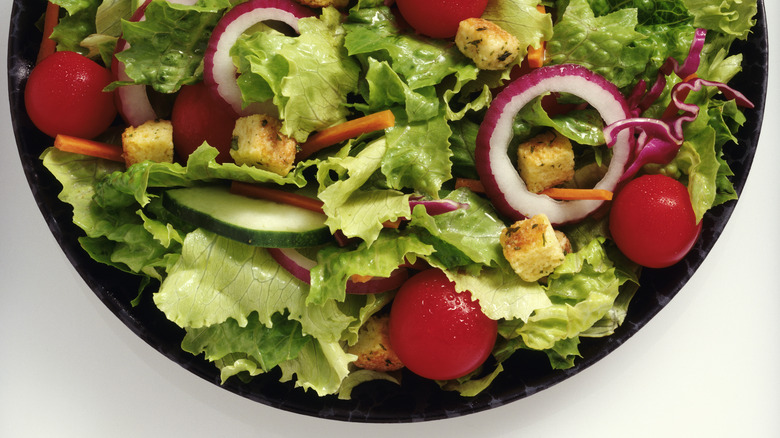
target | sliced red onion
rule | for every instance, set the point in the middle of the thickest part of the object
(132, 102)
(503, 184)
(219, 70)
(300, 267)
(436, 206)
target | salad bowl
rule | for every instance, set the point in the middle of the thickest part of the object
(416, 399)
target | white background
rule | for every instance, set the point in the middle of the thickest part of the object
(707, 365)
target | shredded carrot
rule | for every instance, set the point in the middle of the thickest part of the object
(51, 18)
(91, 148)
(392, 224)
(284, 197)
(345, 131)
(357, 278)
(280, 196)
(577, 194)
(472, 184)
(536, 55)
(671, 110)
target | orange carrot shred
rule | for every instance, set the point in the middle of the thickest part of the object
(280, 196)
(51, 18)
(472, 184)
(536, 55)
(562, 194)
(344, 131)
(91, 148)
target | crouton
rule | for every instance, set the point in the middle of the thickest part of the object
(257, 142)
(338, 4)
(564, 241)
(532, 247)
(373, 346)
(546, 160)
(487, 44)
(153, 141)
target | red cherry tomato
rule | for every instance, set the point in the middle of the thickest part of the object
(437, 332)
(439, 18)
(199, 116)
(64, 95)
(652, 221)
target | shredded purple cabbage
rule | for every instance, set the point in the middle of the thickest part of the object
(658, 140)
(436, 206)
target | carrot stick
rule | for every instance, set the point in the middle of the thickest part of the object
(280, 196)
(283, 197)
(536, 55)
(471, 184)
(577, 194)
(344, 131)
(91, 148)
(51, 18)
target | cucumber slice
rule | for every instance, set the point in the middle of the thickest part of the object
(256, 222)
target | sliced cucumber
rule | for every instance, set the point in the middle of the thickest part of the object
(252, 221)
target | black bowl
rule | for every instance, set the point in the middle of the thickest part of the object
(417, 399)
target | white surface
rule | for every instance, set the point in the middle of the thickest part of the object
(707, 365)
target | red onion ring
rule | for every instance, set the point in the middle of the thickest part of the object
(503, 184)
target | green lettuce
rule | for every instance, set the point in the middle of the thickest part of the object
(308, 76)
(166, 50)
(734, 18)
(351, 208)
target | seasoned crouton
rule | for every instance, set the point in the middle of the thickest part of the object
(373, 346)
(257, 142)
(487, 44)
(153, 140)
(338, 4)
(545, 161)
(564, 241)
(532, 248)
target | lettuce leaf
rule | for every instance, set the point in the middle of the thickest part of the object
(336, 265)
(351, 208)
(217, 279)
(420, 62)
(734, 18)
(266, 346)
(133, 185)
(308, 76)
(166, 50)
(603, 44)
(521, 19)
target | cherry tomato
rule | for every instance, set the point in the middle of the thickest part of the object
(439, 18)
(652, 221)
(64, 95)
(437, 332)
(197, 116)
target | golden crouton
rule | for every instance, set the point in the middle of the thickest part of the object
(324, 3)
(487, 44)
(564, 241)
(152, 141)
(257, 142)
(532, 247)
(545, 161)
(373, 346)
